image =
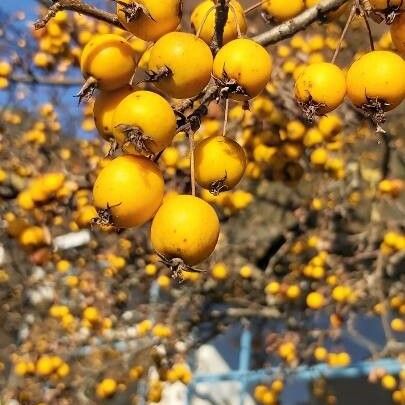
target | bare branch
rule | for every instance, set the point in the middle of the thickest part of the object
(80, 7)
(299, 23)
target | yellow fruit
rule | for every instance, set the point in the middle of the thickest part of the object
(131, 189)
(259, 392)
(92, 314)
(398, 325)
(320, 353)
(330, 125)
(85, 215)
(219, 163)
(341, 293)
(189, 60)
(389, 382)
(246, 63)
(106, 388)
(220, 271)
(5, 68)
(52, 182)
(104, 107)
(245, 272)
(293, 292)
(272, 288)
(185, 227)
(313, 137)
(321, 85)
(32, 236)
(269, 398)
(398, 33)
(144, 122)
(277, 386)
(63, 265)
(281, 10)
(205, 13)
(161, 17)
(377, 76)
(387, 5)
(163, 281)
(25, 200)
(110, 60)
(295, 130)
(143, 62)
(44, 366)
(21, 368)
(144, 326)
(63, 370)
(170, 156)
(319, 157)
(315, 300)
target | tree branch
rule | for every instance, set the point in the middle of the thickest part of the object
(80, 7)
(221, 16)
(299, 23)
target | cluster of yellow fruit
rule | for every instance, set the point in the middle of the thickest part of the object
(179, 372)
(364, 85)
(268, 394)
(159, 330)
(92, 318)
(41, 189)
(52, 40)
(128, 191)
(50, 367)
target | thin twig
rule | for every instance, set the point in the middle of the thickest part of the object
(363, 13)
(358, 337)
(192, 165)
(344, 32)
(225, 116)
(299, 23)
(386, 154)
(253, 7)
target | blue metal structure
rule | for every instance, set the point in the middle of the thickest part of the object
(246, 377)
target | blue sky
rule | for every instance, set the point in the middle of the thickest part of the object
(40, 94)
(12, 5)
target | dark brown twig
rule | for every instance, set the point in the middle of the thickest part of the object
(221, 17)
(80, 7)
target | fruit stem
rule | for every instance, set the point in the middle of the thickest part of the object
(204, 21)
(235, 16)
(254, 7)
(344, 32)
(192, 164)
(363, 13)
(225, 117)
